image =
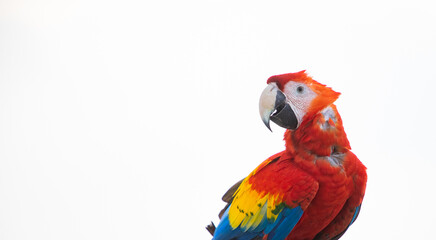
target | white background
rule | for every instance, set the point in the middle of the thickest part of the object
(130, 119)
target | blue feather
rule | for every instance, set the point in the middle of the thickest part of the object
(225, 232)
(276, 230)
(286, 224)
(355, 214)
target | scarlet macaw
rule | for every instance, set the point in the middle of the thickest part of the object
(311, 190)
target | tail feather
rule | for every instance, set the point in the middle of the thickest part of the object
(211, 228)
(228, 198)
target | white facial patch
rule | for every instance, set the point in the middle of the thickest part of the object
(299, 97)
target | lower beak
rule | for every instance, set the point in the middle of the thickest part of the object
(273, 106)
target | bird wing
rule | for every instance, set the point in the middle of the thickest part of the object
(340, 224)
(350, 210)
(269, 202)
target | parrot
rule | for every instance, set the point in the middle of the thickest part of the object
(314, 188)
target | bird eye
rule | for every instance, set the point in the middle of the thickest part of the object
(300, 89)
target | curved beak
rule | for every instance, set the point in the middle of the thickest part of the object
(273, 106)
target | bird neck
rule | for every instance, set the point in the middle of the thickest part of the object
(319, 135)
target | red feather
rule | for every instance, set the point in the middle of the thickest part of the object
(317, 171)
(309, 151)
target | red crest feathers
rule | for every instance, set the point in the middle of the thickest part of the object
(326, 95)
(282, 79)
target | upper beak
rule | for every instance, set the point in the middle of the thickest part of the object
(273, 105)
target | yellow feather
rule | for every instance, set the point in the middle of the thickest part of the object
(259, 215)
(250, 208)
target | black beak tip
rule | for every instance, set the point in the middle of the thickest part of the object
(267, 124)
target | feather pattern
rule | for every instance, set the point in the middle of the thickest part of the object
(311, 190)
(258, 213)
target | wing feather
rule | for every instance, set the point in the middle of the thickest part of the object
(270, 210)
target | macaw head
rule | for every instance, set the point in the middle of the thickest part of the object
(291, 98)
